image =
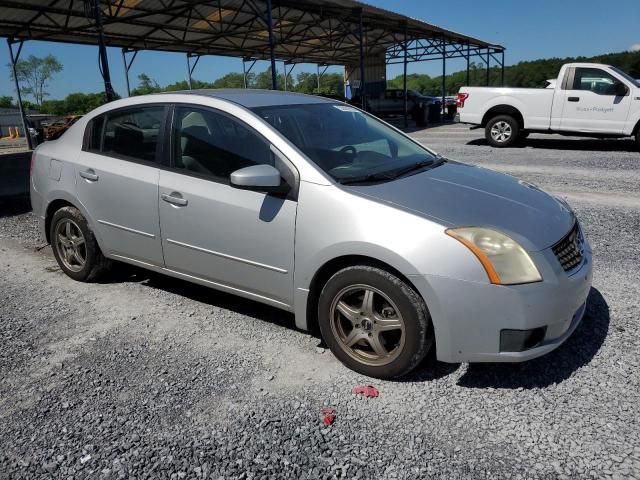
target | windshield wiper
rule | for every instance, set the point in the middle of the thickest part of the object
(416, 167)
(371, 178)
(394, 174)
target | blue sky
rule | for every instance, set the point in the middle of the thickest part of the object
(529, 30)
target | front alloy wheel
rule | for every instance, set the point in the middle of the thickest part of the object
(367, 324)
(374, 322)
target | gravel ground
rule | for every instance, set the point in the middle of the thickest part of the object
(150, 377)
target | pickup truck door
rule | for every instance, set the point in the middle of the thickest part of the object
(592, 102)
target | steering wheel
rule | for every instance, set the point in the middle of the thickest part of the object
(351, 150)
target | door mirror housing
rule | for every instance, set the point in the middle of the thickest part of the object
(621, 89)
(259, 178)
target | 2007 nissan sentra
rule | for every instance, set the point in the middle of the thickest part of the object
(320, 209)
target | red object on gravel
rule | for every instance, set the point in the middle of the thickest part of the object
(368, 391)
(328, 416)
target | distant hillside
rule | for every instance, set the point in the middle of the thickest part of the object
(524, 74)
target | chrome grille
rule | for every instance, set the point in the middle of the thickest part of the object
(569, 250)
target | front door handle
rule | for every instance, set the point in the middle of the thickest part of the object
(89, 175)
(174, 199)
(574, 99)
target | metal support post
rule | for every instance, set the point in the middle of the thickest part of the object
(287, 73)
(102, 49)
(274, 74)
(502, 68)
(320, 74)
(246, 71)
(488, 63)
(444, 79)
(405, 107)
(14, 60)
(468, 63)
(191, 68)
(127, 65)
(363, 84)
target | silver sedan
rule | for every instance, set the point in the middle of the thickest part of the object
(315, 207)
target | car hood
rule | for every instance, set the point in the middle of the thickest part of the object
(458, 195)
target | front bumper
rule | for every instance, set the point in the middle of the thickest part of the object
(469, 316)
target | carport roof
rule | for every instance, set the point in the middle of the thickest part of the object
(317, 31)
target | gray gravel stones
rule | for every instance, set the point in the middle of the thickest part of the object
(149, 377)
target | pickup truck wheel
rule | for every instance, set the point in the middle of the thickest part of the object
(638, 139)
(502, 131)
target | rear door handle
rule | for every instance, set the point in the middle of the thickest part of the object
(89, 175)
(174, 199)
(574, 99)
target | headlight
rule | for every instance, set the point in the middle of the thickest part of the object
(504, 260)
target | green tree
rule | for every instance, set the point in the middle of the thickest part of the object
(263, 80)
(73, 104)
(233, 80)
(147, 85)
(34, 75)
(6, 102)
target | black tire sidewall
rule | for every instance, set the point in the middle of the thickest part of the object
(92, 248)
(515, 129)
(418, 332)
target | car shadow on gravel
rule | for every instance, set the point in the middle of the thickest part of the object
(577, 144)
(214, 298)
(555, 367)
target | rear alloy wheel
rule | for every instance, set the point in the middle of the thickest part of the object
(75, 247)
(502, 131)
(374, 322)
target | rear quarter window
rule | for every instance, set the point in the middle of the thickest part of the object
(93, 134)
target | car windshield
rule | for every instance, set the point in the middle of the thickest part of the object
(627, 76)
(346, 143)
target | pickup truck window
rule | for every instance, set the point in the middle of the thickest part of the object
(595, 80)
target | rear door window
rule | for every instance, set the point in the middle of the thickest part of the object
(131, 133)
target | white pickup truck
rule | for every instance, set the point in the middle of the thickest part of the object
(588, 99)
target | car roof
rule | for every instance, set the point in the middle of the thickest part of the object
(251, 98)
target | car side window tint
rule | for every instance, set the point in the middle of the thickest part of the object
(215, 145)
(595, 80)
(133, 133)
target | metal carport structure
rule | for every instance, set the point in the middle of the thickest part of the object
(324, 32)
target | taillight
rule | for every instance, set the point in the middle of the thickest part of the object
(462, 97)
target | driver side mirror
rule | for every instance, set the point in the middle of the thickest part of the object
(621, 89)
(259, 178)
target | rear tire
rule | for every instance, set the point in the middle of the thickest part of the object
(502, 131)
(75, 247)
(373, 322)
(638, 139)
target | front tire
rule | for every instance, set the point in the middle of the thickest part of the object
(502, 131)
(75, 247)
(374, 322)
(638, 139)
